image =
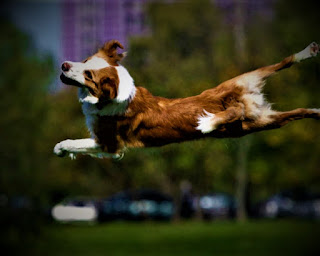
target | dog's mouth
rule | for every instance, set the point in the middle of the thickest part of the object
(69, 81)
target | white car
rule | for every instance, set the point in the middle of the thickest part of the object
(75, 210)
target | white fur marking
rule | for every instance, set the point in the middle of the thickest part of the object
(252, 82)
(86, 97)
(126, 90)
(96, 63)
(89, 99)
(206, 122)
(254, 100)
(256, 106)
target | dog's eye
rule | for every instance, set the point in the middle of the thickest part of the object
(88, 74)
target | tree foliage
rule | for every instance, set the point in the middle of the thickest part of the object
(24, 112)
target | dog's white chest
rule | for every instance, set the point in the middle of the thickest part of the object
(90, 112)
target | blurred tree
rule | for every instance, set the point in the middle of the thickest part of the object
(240, 39)
(23, 83)
(288, 157)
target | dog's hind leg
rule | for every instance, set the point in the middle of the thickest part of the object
(279, 119)
(254, 81)
(310, 51)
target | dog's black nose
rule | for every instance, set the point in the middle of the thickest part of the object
(65, 66)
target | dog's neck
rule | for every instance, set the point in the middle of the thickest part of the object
(118, 106)
(112, 108)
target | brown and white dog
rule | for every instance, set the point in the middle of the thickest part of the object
(120, 115)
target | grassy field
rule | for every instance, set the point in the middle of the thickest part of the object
(187, 238)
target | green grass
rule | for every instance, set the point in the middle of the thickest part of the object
(187, 238)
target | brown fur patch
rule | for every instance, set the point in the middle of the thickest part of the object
(102, 83)
(109, 52)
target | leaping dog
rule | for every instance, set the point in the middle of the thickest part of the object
(120, 115)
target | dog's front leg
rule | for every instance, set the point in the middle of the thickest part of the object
(74, 147)
(81, 146)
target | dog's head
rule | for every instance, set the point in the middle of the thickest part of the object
(100, 77)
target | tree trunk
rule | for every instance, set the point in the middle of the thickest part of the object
(244, 143)
(242, 178)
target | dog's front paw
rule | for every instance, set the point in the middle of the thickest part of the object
(60, 148)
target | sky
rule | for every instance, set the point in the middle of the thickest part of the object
(39, 19)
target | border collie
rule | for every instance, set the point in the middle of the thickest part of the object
(120, 115)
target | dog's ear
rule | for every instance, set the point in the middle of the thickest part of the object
(110, 49)
(108, 88)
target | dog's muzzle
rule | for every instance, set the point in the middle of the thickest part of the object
(69, 81)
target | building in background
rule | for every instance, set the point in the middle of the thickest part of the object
(87, 24)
